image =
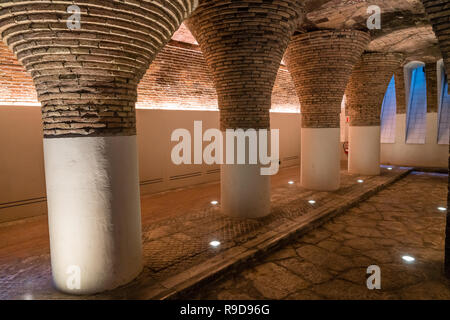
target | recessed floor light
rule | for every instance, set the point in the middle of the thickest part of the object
(214, 243)
(408, 258)
(312, 201)
(360, 181)
(442, 208)
(291, 182)
(214, 202)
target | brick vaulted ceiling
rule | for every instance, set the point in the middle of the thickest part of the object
(404, 25)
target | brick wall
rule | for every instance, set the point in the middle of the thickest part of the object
(400, 91)
(16, 85)
(284, 96)
(431, 78)
(87, 79)
(367, 86)
(321, 63)
(177, 78)
(243, 43)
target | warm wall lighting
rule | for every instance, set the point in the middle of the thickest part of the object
(389, 168)
(214, 243)
(442, 208)
(214, 202)
(360, 181)
(312, 201)
(291, 182)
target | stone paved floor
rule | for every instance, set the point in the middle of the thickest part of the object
(177, 229)
(330, 262)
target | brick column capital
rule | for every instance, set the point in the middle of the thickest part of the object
(243, 43)
(320, 64)
(367, 86)
(86, 78)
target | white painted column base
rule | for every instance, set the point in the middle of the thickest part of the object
(364, 150)
(245, 193)
(93, 211)
(320, 159)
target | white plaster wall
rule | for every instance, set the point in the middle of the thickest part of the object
(430, 154)
(22, 180)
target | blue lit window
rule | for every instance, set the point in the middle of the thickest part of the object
(417, 108)
(388, 112)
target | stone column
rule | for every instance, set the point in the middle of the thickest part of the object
(439, 13)
(320, 64)
(86, 77)
(243, 43)
(365, 93)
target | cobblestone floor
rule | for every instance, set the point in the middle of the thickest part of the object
(330, 262)
(177, 229)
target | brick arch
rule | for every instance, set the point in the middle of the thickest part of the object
(86, 79)
(16, 84)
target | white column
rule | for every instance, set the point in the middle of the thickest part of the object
(245, 190)
(364, 150)
(245, 193)
(93, 211)
(320, 158)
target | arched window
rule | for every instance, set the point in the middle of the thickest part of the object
(416, 125)
(388, 112)
(444, 105)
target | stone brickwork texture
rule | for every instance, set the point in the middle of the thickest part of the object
(321, 63)
(367, 86)
(86, 78)
(431, 78)
(178, 77)
(400, 90)
(243, 43)
(16, 85)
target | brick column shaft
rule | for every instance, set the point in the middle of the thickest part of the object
(400, 91)
(86, 78)
(365, 93)
(243, 43)
(320, 64)
(438, 12)
(431, 79)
